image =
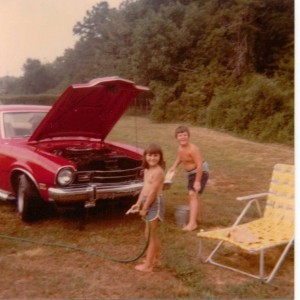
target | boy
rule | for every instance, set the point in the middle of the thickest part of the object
(197, 171)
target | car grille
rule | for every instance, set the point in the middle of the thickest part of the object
(113, 176)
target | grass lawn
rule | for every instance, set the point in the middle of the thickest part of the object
(237, 167)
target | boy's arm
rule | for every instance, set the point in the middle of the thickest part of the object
(176, 163)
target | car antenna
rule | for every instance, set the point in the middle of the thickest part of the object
(135, 122)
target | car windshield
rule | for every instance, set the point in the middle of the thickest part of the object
(21, 124)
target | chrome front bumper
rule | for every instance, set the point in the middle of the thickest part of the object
(91, 193)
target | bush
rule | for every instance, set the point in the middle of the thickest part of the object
(259, 108)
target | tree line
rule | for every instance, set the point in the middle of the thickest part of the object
(223, 64)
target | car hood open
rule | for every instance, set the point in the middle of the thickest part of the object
(88, 110)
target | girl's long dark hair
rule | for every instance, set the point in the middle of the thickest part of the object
(153, 149)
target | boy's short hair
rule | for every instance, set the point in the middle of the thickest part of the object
(182, 129)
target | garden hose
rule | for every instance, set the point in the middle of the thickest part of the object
(74, 248)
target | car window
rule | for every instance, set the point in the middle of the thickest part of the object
(21, 124)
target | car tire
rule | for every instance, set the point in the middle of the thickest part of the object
(28, 200)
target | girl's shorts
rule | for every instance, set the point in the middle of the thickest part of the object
(156, 210)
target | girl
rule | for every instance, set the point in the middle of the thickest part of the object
(150, 203)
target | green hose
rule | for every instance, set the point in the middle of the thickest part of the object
(70, 247)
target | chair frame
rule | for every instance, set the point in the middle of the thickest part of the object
(252, 199)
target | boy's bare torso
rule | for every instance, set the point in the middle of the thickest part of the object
(187, 156)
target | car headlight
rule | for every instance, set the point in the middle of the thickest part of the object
(65, 176)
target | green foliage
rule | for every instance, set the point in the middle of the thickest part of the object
(217, 63)
(259, 108)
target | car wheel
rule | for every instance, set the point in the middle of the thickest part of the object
(27, 200)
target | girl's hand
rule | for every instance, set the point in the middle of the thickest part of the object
(135, 208)
(143, 212)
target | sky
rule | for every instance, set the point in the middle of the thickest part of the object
(38, 29)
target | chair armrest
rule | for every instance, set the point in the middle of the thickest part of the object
(251, 197)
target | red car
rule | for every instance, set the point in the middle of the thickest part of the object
(59, 154)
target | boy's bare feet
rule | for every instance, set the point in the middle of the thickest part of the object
(144, 268)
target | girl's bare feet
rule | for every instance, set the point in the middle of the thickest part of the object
(144, 268)
(156, 262)
(190, 227)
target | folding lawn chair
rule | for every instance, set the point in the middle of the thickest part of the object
(274, 228)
